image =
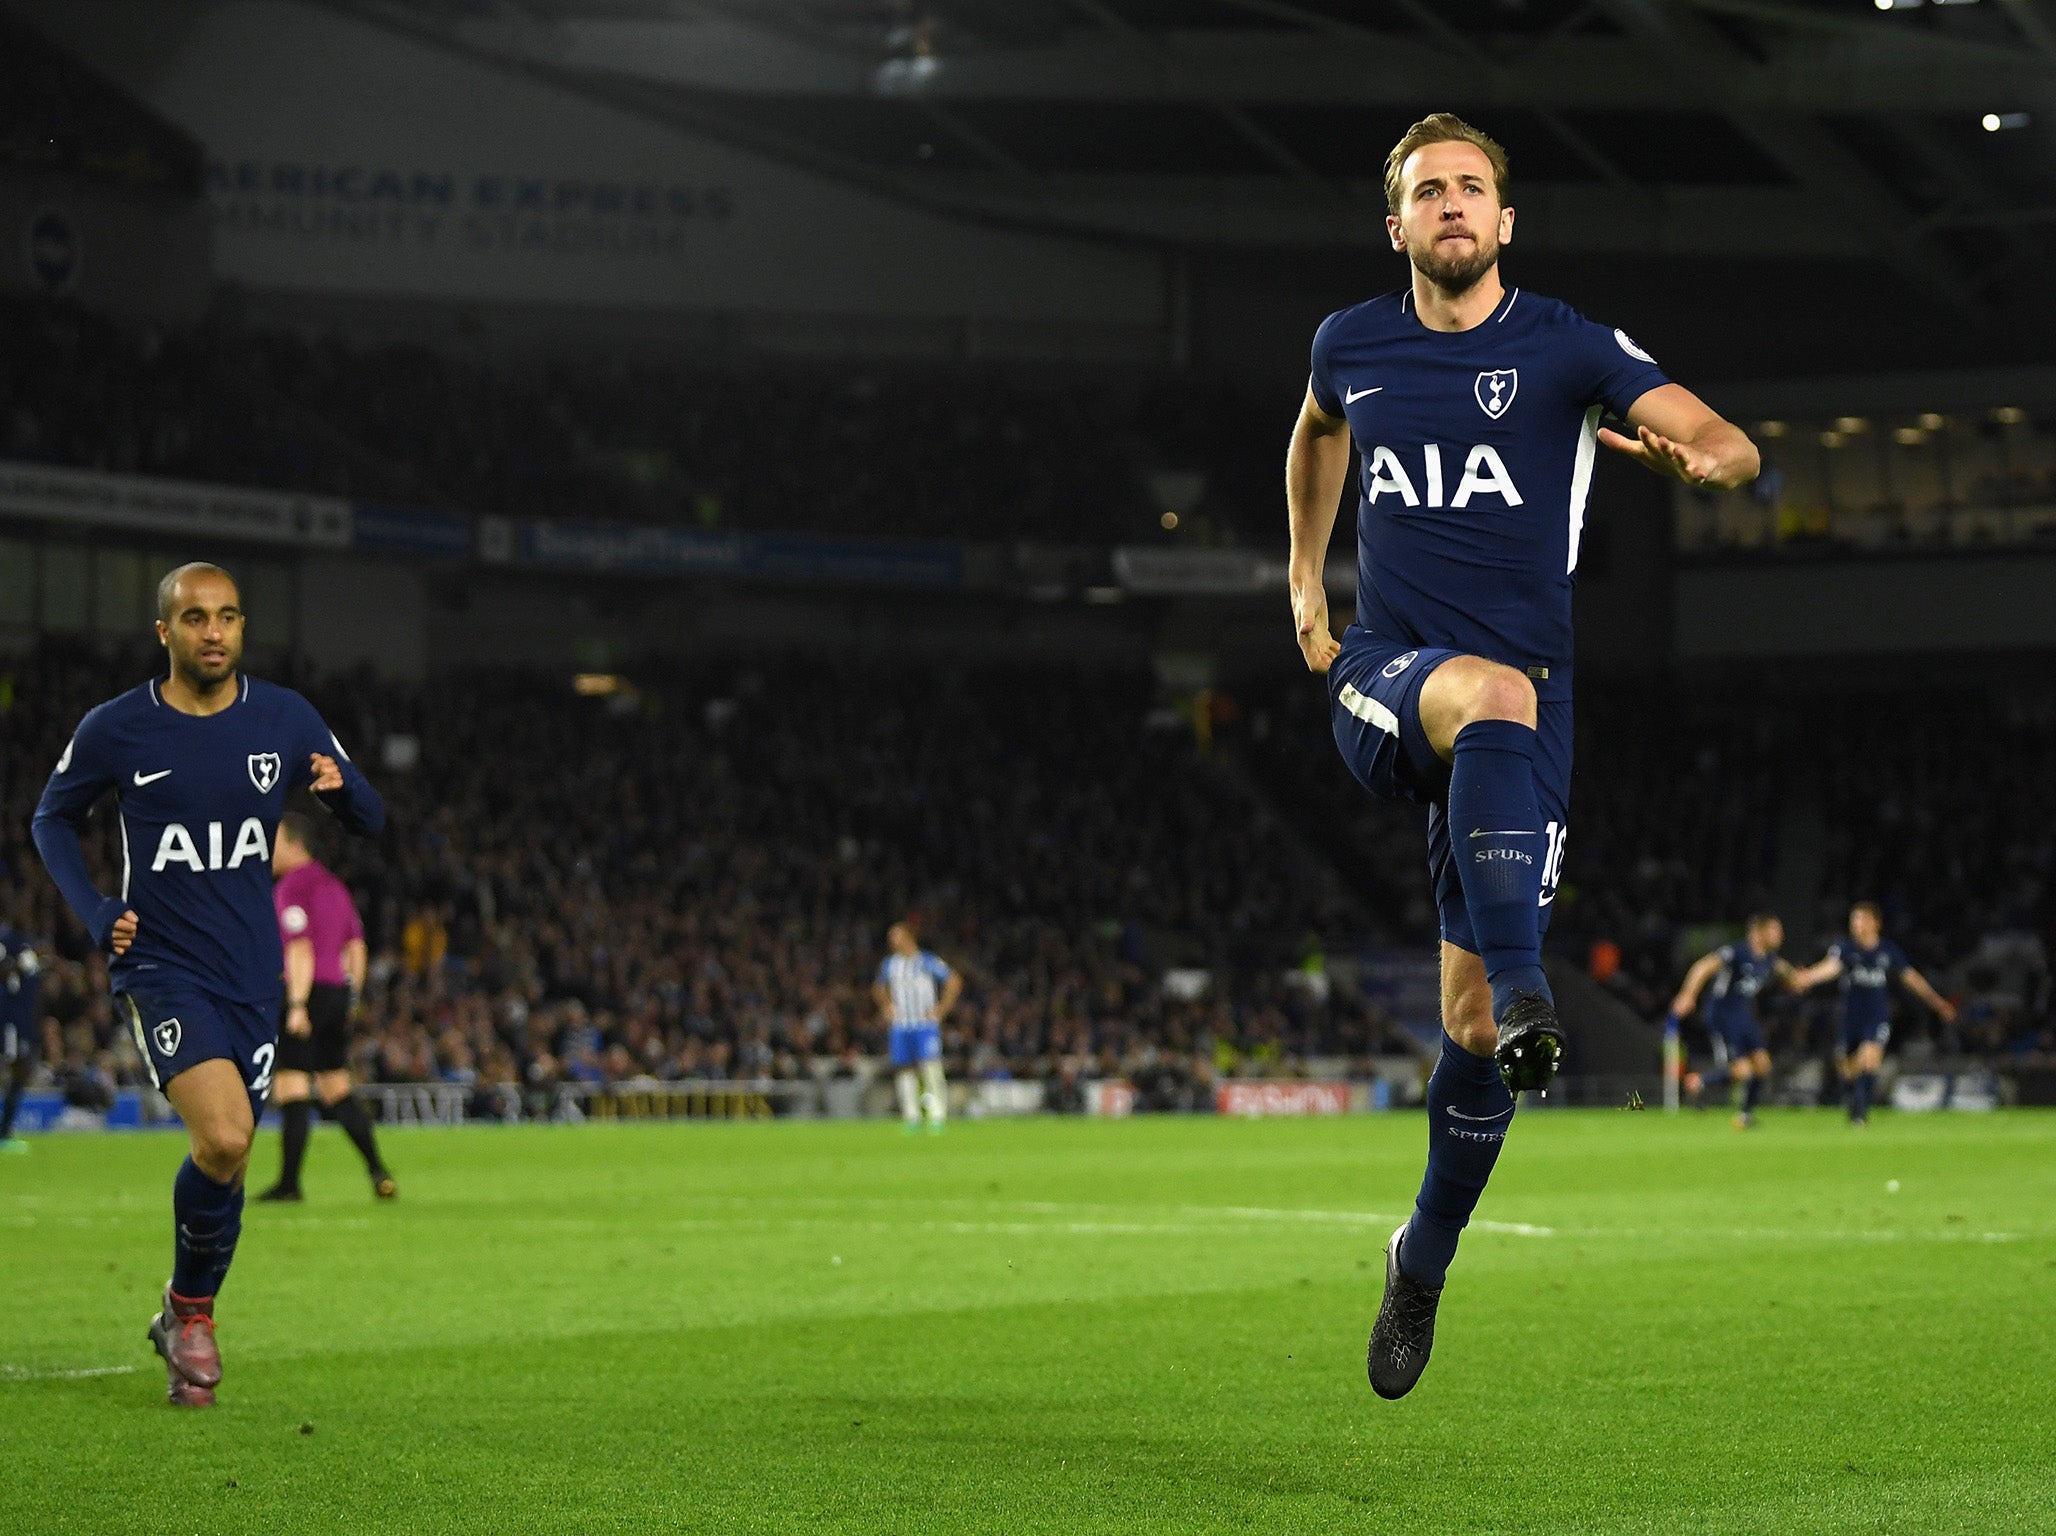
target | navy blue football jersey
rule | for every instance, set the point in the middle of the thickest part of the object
(1477, 450)
(199, 798)
(1741, 979)
(1866, 981)
(21, 977)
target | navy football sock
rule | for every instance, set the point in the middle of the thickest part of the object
(1751, 1092)
(208, 1218)
(1469, 1110)
(1867, 1092)
(1495, 836)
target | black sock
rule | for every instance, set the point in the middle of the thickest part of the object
(296, 1117)
(349, 1113)
(207, 1218)
(1469, 1110)
(17, 1079)
(1867, 1087)
(1751, 1092)
(1497, 840)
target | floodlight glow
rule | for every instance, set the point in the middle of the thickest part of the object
(1771, 428)
(1933, 421)
(1996, 122)
(2009, 415)
(1831, 439)
(1849, 426)
(1908, 437)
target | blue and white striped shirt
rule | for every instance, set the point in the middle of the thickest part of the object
(914, 982)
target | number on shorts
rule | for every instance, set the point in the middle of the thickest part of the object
(1558, 834)
(261, 1060)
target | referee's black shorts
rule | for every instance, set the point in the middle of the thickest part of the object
(327, 1048)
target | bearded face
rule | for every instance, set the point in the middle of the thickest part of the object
(1454, 264)
(1449, 220)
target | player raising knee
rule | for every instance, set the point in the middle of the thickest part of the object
(1865, 963)
(1476, 410)
(199, 763)
(913, 1011)
(1739, 974)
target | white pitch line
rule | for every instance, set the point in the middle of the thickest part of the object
(25, 1373)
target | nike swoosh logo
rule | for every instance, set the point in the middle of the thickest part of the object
(152, 778)
(1357, 394)
(1460, 1115)
(1481, 832)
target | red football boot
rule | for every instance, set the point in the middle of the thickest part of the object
(183, 1333)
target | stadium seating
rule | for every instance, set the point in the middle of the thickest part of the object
(691, 881)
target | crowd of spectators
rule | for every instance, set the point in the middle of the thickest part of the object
(920, 451)
(1683, 802)
(693, 880)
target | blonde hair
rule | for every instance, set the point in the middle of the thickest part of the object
(1444, 128)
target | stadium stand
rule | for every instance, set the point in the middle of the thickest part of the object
(677, 895)
(911, 452)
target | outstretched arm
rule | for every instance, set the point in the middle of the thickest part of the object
(1917, 984)
(1315, 467)
(1679, 435)
(1825, 969)
(1696, 978)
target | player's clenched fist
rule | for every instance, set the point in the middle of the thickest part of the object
(124, 933)
(326, 774)
(1316, 640)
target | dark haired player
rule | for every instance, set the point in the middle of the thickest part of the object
(1732, 978)
(325, 963)
(20, 982)
(199, 762)
(1476, 410)
(1866, 963)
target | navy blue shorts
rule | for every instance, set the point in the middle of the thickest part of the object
(1739, 1034)
(913, 1044)
(1855, 1035)
(1374, 697)
(177, 1026)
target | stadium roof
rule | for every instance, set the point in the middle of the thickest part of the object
(1770, 128)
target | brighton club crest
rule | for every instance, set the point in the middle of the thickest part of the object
(264, 771)
(167, 1036)
(1495, 390)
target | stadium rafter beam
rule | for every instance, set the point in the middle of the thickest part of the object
(1251, 132)
(1274, 212)
(1865, 66)
(1450, 38)
(2035, 20)
(1706, 64)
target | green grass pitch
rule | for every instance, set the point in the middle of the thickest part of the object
(1060, 1326)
